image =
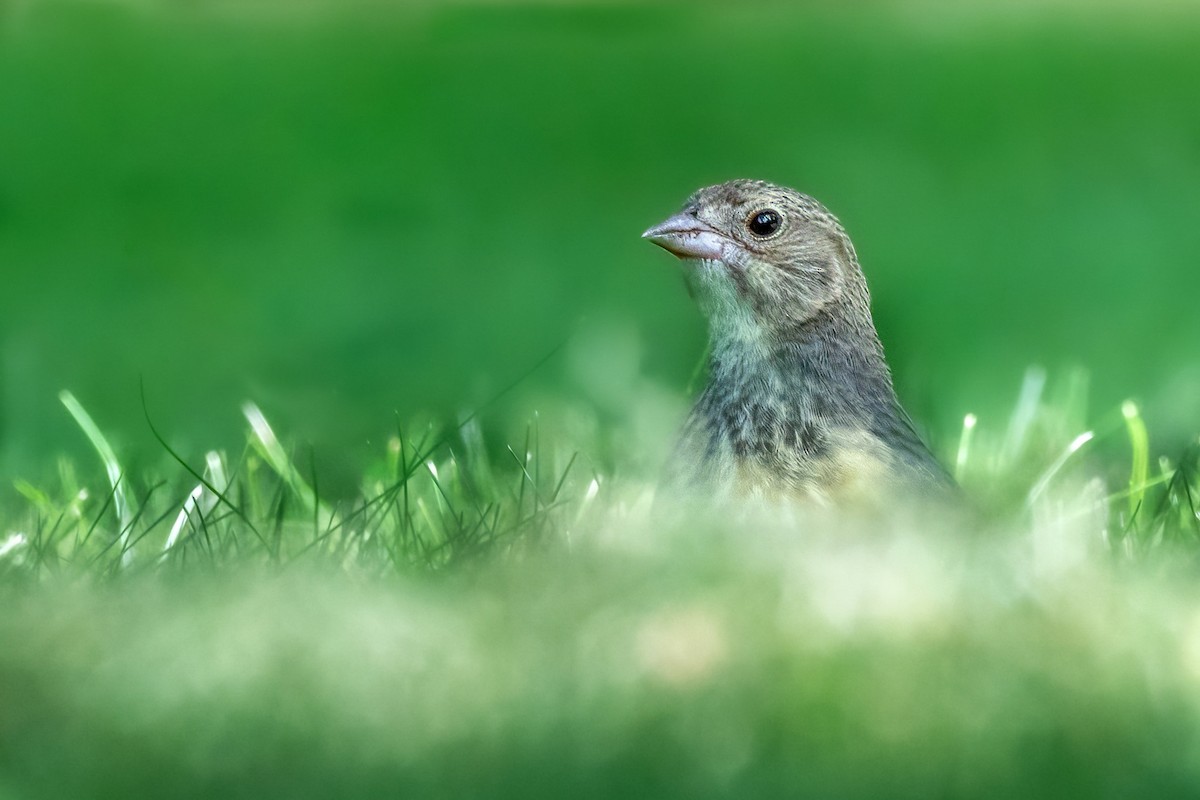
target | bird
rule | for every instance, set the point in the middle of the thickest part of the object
(799, 401)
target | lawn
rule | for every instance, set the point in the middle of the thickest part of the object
(335, 381)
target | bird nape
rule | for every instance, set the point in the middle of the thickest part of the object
(799, 401)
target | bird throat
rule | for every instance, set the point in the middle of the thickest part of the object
(769, 396)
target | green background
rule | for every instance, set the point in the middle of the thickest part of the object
(342, 213)
(357, 213)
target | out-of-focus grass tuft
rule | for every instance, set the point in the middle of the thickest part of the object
(433, 499)
(518, 625)
(437, 496)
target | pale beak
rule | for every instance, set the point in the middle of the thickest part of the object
(687, 237)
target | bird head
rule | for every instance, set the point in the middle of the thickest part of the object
(764, 261)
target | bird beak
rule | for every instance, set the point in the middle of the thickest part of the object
(685, 236)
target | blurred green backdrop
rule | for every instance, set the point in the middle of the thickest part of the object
(345, 212)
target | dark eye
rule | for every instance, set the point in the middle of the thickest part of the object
(764, 223)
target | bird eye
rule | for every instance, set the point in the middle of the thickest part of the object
(764, 223)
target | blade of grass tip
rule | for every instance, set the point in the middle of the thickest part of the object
(1023, 414)
(107, 455)
(40, 499)
(269, 447)
(475, 459)
(1139, 442)
(12, 543)
(964, 445)
(215, 469)
(1075, 397)
(1044, 481)
(525, 479)
(392, 456)
(185, 513)
(523, 464)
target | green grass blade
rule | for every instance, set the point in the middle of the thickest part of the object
(107, 455)
(964, 446)
(1044, 481)
(271, 450)
(1139, 441)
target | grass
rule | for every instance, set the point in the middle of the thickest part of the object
(314, 209)
(437, 496)
(521, 624)
(432, 500)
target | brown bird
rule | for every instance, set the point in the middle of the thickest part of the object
(799, 400)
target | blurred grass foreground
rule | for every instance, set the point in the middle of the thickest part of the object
(521, 627)
(369, 217)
